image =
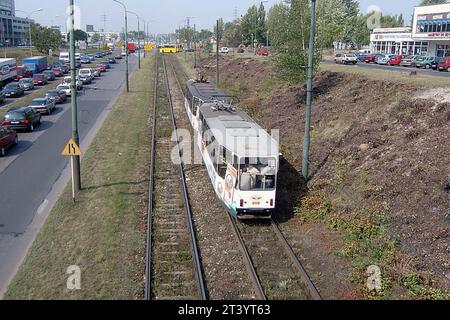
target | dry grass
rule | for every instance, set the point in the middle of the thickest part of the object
(104, 232)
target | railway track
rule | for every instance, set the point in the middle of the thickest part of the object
(173, 268)
(272, 265)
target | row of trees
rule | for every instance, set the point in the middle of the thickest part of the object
(45, 38)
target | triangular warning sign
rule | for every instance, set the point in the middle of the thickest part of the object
(71, 149)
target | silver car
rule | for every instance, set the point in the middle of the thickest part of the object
(26, 83)
(43, 105)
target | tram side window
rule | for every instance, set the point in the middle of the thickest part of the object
(225, 158)
(257, 174)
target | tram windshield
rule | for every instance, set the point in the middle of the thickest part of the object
(257, 174)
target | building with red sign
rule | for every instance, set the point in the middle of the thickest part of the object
(429, 35)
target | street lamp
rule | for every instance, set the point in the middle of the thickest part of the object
(139, 37)
(126, 44)
(29, 14)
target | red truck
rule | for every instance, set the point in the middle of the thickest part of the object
(131, 47)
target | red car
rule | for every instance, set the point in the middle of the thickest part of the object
(8, 139)
(395, 60)
(101, 67)
(22, 72)
(263, 52)
(370, 58)
(40, 79)
(444, 64)
(57, 72)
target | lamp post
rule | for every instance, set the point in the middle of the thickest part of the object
(309, 96)
(29, 14)
(126, 44)
(139, 37)
(145, 36)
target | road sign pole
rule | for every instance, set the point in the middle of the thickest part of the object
(76, 175)
(309, 96)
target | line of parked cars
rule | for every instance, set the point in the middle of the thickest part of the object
(27, 118)
(418, 61)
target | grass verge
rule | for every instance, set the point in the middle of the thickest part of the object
(104, 233)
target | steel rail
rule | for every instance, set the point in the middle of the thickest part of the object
(148, 262)
(315, 295)
(193, 239)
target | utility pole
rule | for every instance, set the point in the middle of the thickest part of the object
(309, 96)
(195, 49)
(126, 45)
(217, 55)
(75, 160)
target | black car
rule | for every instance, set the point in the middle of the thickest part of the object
(98, 55)
(13, 90)
(22, 118)
(112, 60)
(49, 74)
(57, 95)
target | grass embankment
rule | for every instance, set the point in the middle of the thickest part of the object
(104, 232)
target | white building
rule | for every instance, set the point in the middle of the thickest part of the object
(429, 35)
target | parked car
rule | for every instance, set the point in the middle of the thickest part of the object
(49, 74)
(96, 72)
(57, 72)
(263, 52)
(27, 84)
(13, 90)
(106, 64)
(360, 56)
(68, 81)
(408, 61)
(346, 58)
(224, 50)
(427, 62)
(39, 79)
(59, 96)
(43, 105)
(444, 64)
(8, 139)
(101, 67)
(385, 59)
(22, 118)
(395, 60)
(85, 60)
(65, 88)
(370, 58)
(378, 56)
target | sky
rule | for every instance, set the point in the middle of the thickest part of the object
(167, 15)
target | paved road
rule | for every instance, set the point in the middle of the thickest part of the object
(429, 72)
(28, 172)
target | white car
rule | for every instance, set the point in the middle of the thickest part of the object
(224, 50)
(68, 80)
(124, 53)
(87, 72)
(65, 88)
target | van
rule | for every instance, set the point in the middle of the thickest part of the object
(64, 56)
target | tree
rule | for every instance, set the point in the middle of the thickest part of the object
(45, 38)
(289, 27)
(95, 38)
(248, 24)
(232, 34)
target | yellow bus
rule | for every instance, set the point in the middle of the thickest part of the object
(170, 48)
